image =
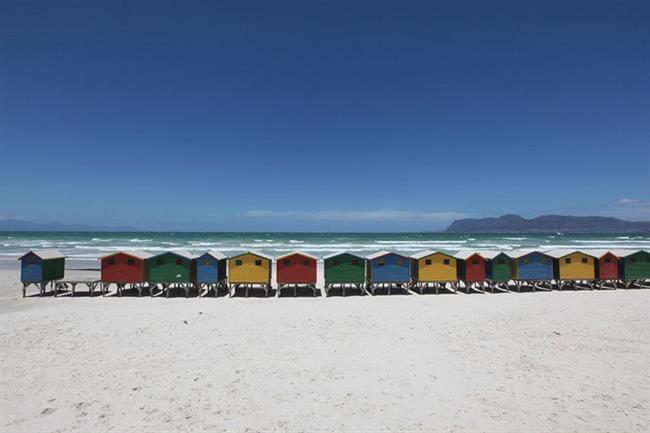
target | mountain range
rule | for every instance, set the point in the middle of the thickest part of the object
(548, 224)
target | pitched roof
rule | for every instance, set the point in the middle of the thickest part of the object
(255, 253)
(427, 253)
(516, 254)
(625, 253)
(300, 253)
(45, 254)
(216, 254)
(181, 253)
(492, 254)
(133, 253)
(464, 255)
(561, 252)
(381, 254)
(340, 253)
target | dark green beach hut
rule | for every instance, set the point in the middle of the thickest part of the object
(344, 268)
(170, 267)
(635, 265)
(499, 266)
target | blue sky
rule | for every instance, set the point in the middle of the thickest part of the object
(379, 116)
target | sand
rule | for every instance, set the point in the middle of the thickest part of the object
(529, 362)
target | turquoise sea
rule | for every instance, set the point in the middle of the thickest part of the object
(86, 247)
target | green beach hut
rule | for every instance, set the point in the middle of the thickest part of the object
(499, 267)
(634, 264)
(170, 268)
(344, 270)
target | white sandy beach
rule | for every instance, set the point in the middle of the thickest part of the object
(530, 362)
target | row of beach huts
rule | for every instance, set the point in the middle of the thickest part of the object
(428, 270)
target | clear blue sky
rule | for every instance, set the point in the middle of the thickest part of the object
(274, 115)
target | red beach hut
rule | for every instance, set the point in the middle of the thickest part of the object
(296, 269)
(472, 267)
(124, 267)
(607, 265)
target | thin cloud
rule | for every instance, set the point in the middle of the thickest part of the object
(632, 202)
(341, 215)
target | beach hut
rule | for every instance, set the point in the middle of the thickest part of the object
(41, 268)
(124, 268)
(344, 270)
(499, 269)
(607, 265)
(171, 269)
(532, 268)
(499, 266)
(434, 268)
(296, 269)
(634, 266)
(570, 266)
(209, 271)
(533, 265)
(251, 269)
(471, 268)
(386, 269)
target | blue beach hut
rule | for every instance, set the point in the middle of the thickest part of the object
(387, 269)
(41, 267)
(210, 268)
(533, 265)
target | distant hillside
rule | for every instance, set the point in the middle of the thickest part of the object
(547, 224)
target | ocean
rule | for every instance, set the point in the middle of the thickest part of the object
(86, 247)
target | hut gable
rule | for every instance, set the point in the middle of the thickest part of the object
(533, 265)
(387, 267)
(170, 267)
(296, 268)
(573, 265)
(434, 266)
(124, 267)
(38, 266)
(251, 267)
(344, 268)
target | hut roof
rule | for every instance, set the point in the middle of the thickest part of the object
(427, 253)
(624, 253)
(255, 253)
(44, 254)
(300, 253)
(182, 253)
(340, 253)
(464, 255)
(492, 254)
(381, 254)
(216, 254)
(516, 254)
(562, 252)
(133, 253)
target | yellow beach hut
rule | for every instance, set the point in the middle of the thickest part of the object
(572, 265)
(251, 269)
(434, 269)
